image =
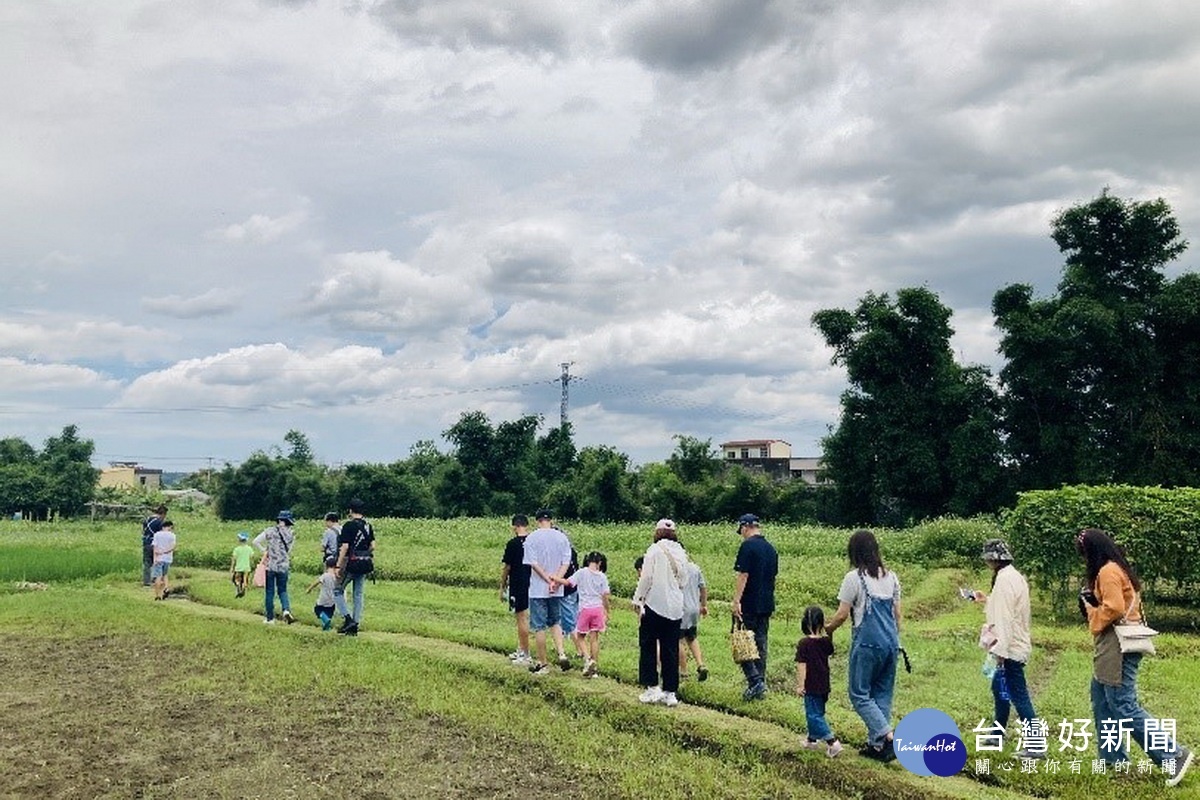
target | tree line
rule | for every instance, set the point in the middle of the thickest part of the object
(1100, 384)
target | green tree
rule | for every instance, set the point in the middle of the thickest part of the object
(66, 462)
(1093, 388)
(916, 429)
(300, 451)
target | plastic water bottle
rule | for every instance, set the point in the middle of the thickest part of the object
(1002, 685)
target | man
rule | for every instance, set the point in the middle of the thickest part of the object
(514, 585)
(755, 568)
(329, 539)
(356, 550)
(164, 554)
(548, 554)
(150, 526)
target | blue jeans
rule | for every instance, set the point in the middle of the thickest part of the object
(276, 582)
(147, 563)
(1120, 702)
(339, 595)
(814, 717)
(872, 682)
(544, 613)
(756, 671)
(1013, 673)
(568, 611)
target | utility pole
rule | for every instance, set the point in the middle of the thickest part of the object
(565, 380)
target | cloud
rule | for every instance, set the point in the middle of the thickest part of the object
(212, 303)
(46, 336)
(20, 377)
(260, 228)
(687, 35)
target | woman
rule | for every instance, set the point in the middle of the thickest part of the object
(870, 597)
(1008, 623)
(1112, 593)
(658, 599)
(276, 543)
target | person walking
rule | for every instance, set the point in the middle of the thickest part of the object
(150, 526)
(275, 543)
(695, 606)
(755, 568)
(329, 537)
(164, 556)
(870, 597)
(659, 596)
(1112, 594)
(1008, 630)
(514, 586)
(548, 554)
(355, 561)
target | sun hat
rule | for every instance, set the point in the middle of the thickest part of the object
(243, 536)
(996, 550)
(665, 525)
(285, 516)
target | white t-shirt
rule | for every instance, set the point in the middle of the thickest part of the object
(851, 591)
(592, 586)
(164, 547)
(550, 549)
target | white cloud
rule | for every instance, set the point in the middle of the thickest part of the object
(260, 228)
(212, 303)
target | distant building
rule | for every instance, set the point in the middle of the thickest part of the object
(130, 475)
(772, 457)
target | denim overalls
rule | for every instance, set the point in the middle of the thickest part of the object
(873, 664)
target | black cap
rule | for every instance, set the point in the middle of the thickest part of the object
(544, 513)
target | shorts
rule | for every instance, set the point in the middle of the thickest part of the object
(592, 619)
(518, 602)
(570, 611)
(688, 634)
(544, 612)
(160, 569)
(326, 610)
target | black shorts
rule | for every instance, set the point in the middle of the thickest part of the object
(518, 602)
(688, 634)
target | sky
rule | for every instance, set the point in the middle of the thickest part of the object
(360, 219)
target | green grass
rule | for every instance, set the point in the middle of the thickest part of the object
(440, 624)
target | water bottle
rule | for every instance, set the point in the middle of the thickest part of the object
(1002, 684)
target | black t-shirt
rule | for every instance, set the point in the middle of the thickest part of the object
(150, 527)
(758, 559)
(518, 570)
(572, 568)
(814, 653)
(356, 533)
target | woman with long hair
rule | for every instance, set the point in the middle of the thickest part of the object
(870, 598)
(1112, 594)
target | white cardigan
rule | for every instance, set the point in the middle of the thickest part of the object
(1007, 612)
(659, 587)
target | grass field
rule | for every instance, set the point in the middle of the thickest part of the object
(108, 693)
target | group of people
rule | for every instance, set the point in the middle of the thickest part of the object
(347, 553)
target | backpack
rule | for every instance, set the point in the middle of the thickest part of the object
(359, 561)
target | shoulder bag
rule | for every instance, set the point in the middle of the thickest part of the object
(1134, 637)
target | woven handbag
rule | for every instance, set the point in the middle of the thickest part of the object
(741, 642)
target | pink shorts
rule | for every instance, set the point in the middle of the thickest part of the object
(590, 619)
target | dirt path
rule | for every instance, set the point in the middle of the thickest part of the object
(92, 717)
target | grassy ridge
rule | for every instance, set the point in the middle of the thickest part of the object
(455, 602)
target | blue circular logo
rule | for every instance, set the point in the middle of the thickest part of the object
(929, 743)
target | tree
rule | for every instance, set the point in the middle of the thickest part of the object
(66, 462)
(1094, 387)
(916, 428)
(301, 450)
(694, 460)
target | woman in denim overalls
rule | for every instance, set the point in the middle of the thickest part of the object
(870, 595)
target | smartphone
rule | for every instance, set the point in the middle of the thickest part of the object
(965, 593)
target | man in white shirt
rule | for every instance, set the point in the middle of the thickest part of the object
(548, 554)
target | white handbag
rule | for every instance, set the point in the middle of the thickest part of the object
(1134, 637)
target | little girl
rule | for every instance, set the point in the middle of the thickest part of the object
(812, 680)
(592, 583)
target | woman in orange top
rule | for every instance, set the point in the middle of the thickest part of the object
(1113, 593)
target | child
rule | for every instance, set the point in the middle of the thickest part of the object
(695, 606)
(328, 581)
(592, 585)
(812, 680)
(164, 554)
(239, 565)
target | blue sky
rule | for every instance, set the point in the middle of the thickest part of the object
(360, 219)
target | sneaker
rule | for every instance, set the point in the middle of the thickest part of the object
(871, 752)
(701, 674)
(538, 668)
(348, 630)
(755, 692)
(834, 748)
(683, 676)
(268, 622)
(347, 622)
(1179, 765)
(653, 694)
(812, 744)
(522, 660)
(564, 663)
(287, 617)
(889, 751)
(592, 670)
(669, 699)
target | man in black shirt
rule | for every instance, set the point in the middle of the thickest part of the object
(756, 565)
(150, 526)
(356, 549)
(514, 585)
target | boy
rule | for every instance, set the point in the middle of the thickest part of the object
(164, 554)
(695, 606)
(328, 581)
(239, 565)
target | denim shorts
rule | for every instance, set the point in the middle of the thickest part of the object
(544, 612)
(160, 569)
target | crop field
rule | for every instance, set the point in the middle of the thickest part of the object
(108, 693)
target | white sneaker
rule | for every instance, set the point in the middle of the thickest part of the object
(669, 699)
(653, 694)
(517, 655)
(268, 622)
(522, 660)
